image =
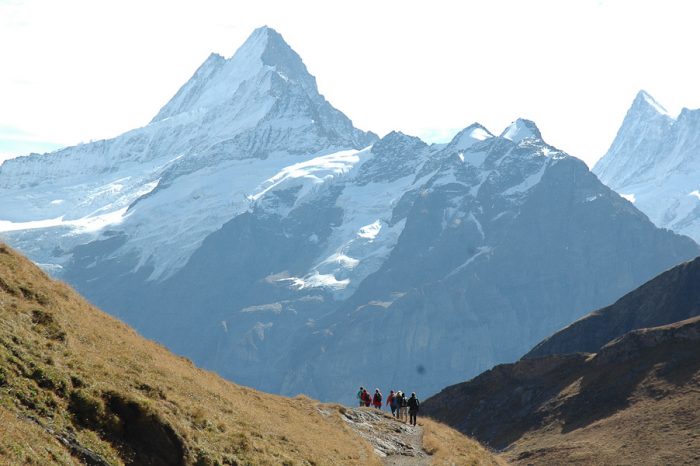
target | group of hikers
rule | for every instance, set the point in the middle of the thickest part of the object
(402, 408)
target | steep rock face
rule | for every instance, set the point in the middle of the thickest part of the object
(502, 243)
(672, 296)
(634, 401)
(654, 162)
(314, 232)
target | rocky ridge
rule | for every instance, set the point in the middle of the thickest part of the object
(670, 297)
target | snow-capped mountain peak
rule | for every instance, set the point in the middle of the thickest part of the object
(469, 136)
(644, 102)
(219, 80)
(636, 145)
(653, 161)
(195, 160)
(520, 130)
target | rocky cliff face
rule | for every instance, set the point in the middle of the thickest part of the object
(634, 401)
(654, 162)
(672, 296)
(489, 259)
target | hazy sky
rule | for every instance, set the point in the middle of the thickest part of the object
(74, 70)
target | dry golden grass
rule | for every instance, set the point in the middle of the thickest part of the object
(657, 423)
(448, 447)
(70, 371)
(23, 442)
(663, 431)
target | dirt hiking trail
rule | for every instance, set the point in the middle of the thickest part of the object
(396, 443)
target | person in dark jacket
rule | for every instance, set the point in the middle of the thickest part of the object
(401, 403)
(413, 406)
(377, 399)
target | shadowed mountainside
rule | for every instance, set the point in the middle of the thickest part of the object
(670, 297)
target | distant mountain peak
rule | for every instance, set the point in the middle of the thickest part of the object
(521, 129)
(398, 137)
(689, 116)
(265, 40)
(275, 52)
(218, 79)
(469, 136)
(644, 101)
(636, 144)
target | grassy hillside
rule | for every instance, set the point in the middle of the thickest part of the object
(77, 386)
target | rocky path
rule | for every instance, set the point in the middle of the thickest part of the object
(397, 443)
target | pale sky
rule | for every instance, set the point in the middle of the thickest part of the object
(78, 70)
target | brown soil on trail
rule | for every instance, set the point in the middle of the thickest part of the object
(428, 443)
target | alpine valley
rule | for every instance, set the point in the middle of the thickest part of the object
(251, 227)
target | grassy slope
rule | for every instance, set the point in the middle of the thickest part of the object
(448, 447)
(79, 386)
(636, 401)
(658, 421)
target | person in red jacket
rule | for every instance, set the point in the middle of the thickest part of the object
(360, 397)
(366, 398)
(377, 399)
(391, 402)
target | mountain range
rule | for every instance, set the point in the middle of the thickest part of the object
(251, 227)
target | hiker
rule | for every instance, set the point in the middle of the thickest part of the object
(359, 396)
(413, 406)
(377, 399)
(366, 398)
(399, 403)
(391, 402)
(404, 407)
